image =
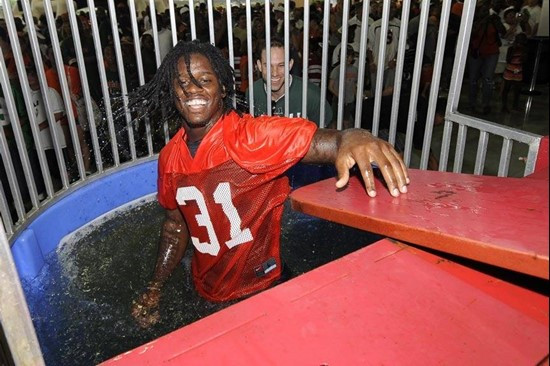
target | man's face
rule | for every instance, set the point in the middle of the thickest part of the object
(32, 77)
(242, 22)
(510, 18)
(375, 10)
(200, 105)
(148, 42)
(277, 68)
(359, 11)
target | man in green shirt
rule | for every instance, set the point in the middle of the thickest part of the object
(278, 89)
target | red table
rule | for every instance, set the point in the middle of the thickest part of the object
(500, 221)
(387, 304)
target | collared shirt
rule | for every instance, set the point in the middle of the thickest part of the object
(313, 102)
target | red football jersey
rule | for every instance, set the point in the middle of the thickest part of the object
(231, 196)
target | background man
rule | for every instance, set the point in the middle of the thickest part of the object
(278, 82)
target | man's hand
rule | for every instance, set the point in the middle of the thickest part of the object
(362, 148)
(145, 308)
(174, 237)
(356, 146)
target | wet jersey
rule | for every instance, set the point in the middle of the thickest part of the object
(231, 195)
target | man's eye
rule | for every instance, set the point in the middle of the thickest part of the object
(183, 83)
(204, 81)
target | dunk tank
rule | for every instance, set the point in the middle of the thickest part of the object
(454, 272)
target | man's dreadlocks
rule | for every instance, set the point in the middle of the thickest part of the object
(158, 94)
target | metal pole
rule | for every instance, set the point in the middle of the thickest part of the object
(15, 318)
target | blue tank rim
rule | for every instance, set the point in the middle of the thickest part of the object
(76, 207)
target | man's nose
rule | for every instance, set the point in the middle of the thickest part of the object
(191, 88)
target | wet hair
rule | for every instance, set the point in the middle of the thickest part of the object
(158, 94)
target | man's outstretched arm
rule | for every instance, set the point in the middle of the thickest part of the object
(173, 242)
(357, 146)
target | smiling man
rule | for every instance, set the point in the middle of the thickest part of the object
(278, 82)
(221, 177)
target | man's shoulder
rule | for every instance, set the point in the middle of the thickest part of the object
(298, 82)
(312, 87)
(395, 22)
(258, 85)
(377, 23)
(260, 95)
(171, 147)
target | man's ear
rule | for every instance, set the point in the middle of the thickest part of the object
(259, 65)
(290, 63)
(223, 91)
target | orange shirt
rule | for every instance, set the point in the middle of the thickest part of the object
(456, 9)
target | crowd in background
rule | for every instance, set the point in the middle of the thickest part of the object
(496, 59)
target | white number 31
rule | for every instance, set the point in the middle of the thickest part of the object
(222, 196)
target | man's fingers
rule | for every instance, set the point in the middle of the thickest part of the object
(393, 170)
(342, 168)
(145, 315)
(145, 309)
(147, 320)
(403, 172)
(395, 174)
(362, 148)
(391, 181)
(343, 179)
(368, 177)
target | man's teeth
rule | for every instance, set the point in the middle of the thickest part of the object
(196, 102)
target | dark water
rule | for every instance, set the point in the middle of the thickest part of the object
(81, 299)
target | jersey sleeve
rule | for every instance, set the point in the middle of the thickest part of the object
(269, 144)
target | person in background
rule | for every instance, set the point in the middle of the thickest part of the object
(41, 119)
(77, 104)
(350, 86)
(392, 43)
(483, 56)
(221, 182)
(240, 65)
(278, 82)
(239, 32)
(513, 28)
(164, 35)
(513, 74)
(533, 12)
(148, 59)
